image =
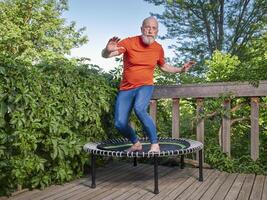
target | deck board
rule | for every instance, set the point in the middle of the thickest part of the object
(215, 186)
(257, 189)
(187, 191)
(120, 180)
(236, 187)
(245, 191)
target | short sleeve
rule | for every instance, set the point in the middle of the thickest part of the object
(161, 60)
(123, 43)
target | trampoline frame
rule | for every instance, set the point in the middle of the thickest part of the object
(92, 148)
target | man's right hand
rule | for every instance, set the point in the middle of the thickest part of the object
(112, 44)
(112, 48)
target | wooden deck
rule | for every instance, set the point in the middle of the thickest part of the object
(122, 181)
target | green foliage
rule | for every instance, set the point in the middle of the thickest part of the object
(33, 31)
(50, 106)
(219, 160)
(254, 60)
(249, 66)
(200, 27)
(222, 67)
(115, 74)
(47, 114)
(242, 164)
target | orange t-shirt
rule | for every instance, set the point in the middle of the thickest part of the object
(139, 62)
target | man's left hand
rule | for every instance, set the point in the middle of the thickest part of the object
(188, 65)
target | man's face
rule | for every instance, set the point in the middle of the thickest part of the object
(149, 31)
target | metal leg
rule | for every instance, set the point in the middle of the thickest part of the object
(135, 162)
(182, 162)
(156, 187)
(93, 158)
(200, 160)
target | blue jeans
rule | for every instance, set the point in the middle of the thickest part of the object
(137, 99)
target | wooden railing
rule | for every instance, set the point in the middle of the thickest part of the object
(202, 91)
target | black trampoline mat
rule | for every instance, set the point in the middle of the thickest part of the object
(164, 146)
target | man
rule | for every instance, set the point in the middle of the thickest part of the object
(141, 54)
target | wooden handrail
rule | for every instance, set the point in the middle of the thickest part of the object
(202, 91)
(238, 89)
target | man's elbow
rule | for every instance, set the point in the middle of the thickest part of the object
(105, 56)
(104, 53)
(163, 68)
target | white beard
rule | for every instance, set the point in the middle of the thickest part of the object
(148, 39)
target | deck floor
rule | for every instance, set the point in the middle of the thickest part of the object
(122, 181)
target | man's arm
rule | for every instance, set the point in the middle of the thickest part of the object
(171, 69)
(112, 48)
(108, 54)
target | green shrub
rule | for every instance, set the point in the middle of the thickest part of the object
(47, 114)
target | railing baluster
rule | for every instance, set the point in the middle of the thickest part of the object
(226, 128)
(200, 123)
(254, 132)
(175, 118)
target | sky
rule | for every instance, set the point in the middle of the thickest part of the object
(104, 19)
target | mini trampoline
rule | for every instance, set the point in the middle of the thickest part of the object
(168, 146)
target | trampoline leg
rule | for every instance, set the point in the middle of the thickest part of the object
(135, 162)
(182, 162)
(93, 158)
(156, 187)
(200, 160)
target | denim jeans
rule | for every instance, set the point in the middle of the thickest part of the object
(137, 99)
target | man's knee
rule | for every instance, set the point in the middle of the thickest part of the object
(140, 112)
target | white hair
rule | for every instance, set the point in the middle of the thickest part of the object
(149, 18)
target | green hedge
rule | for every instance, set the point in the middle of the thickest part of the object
(46, 116)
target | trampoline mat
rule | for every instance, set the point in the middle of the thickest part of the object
(164, 146)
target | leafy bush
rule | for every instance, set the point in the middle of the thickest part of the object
(242, 164)
(222, 67)
(47, 114)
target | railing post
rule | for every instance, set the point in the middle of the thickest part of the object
(200, 124)
(200, 120)
(175, 118)
(226, 128)
(254, 131)
(153, 110)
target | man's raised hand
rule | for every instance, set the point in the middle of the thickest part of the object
(112, 44)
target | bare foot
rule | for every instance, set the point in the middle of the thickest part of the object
(154, 148)
(135, 147)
